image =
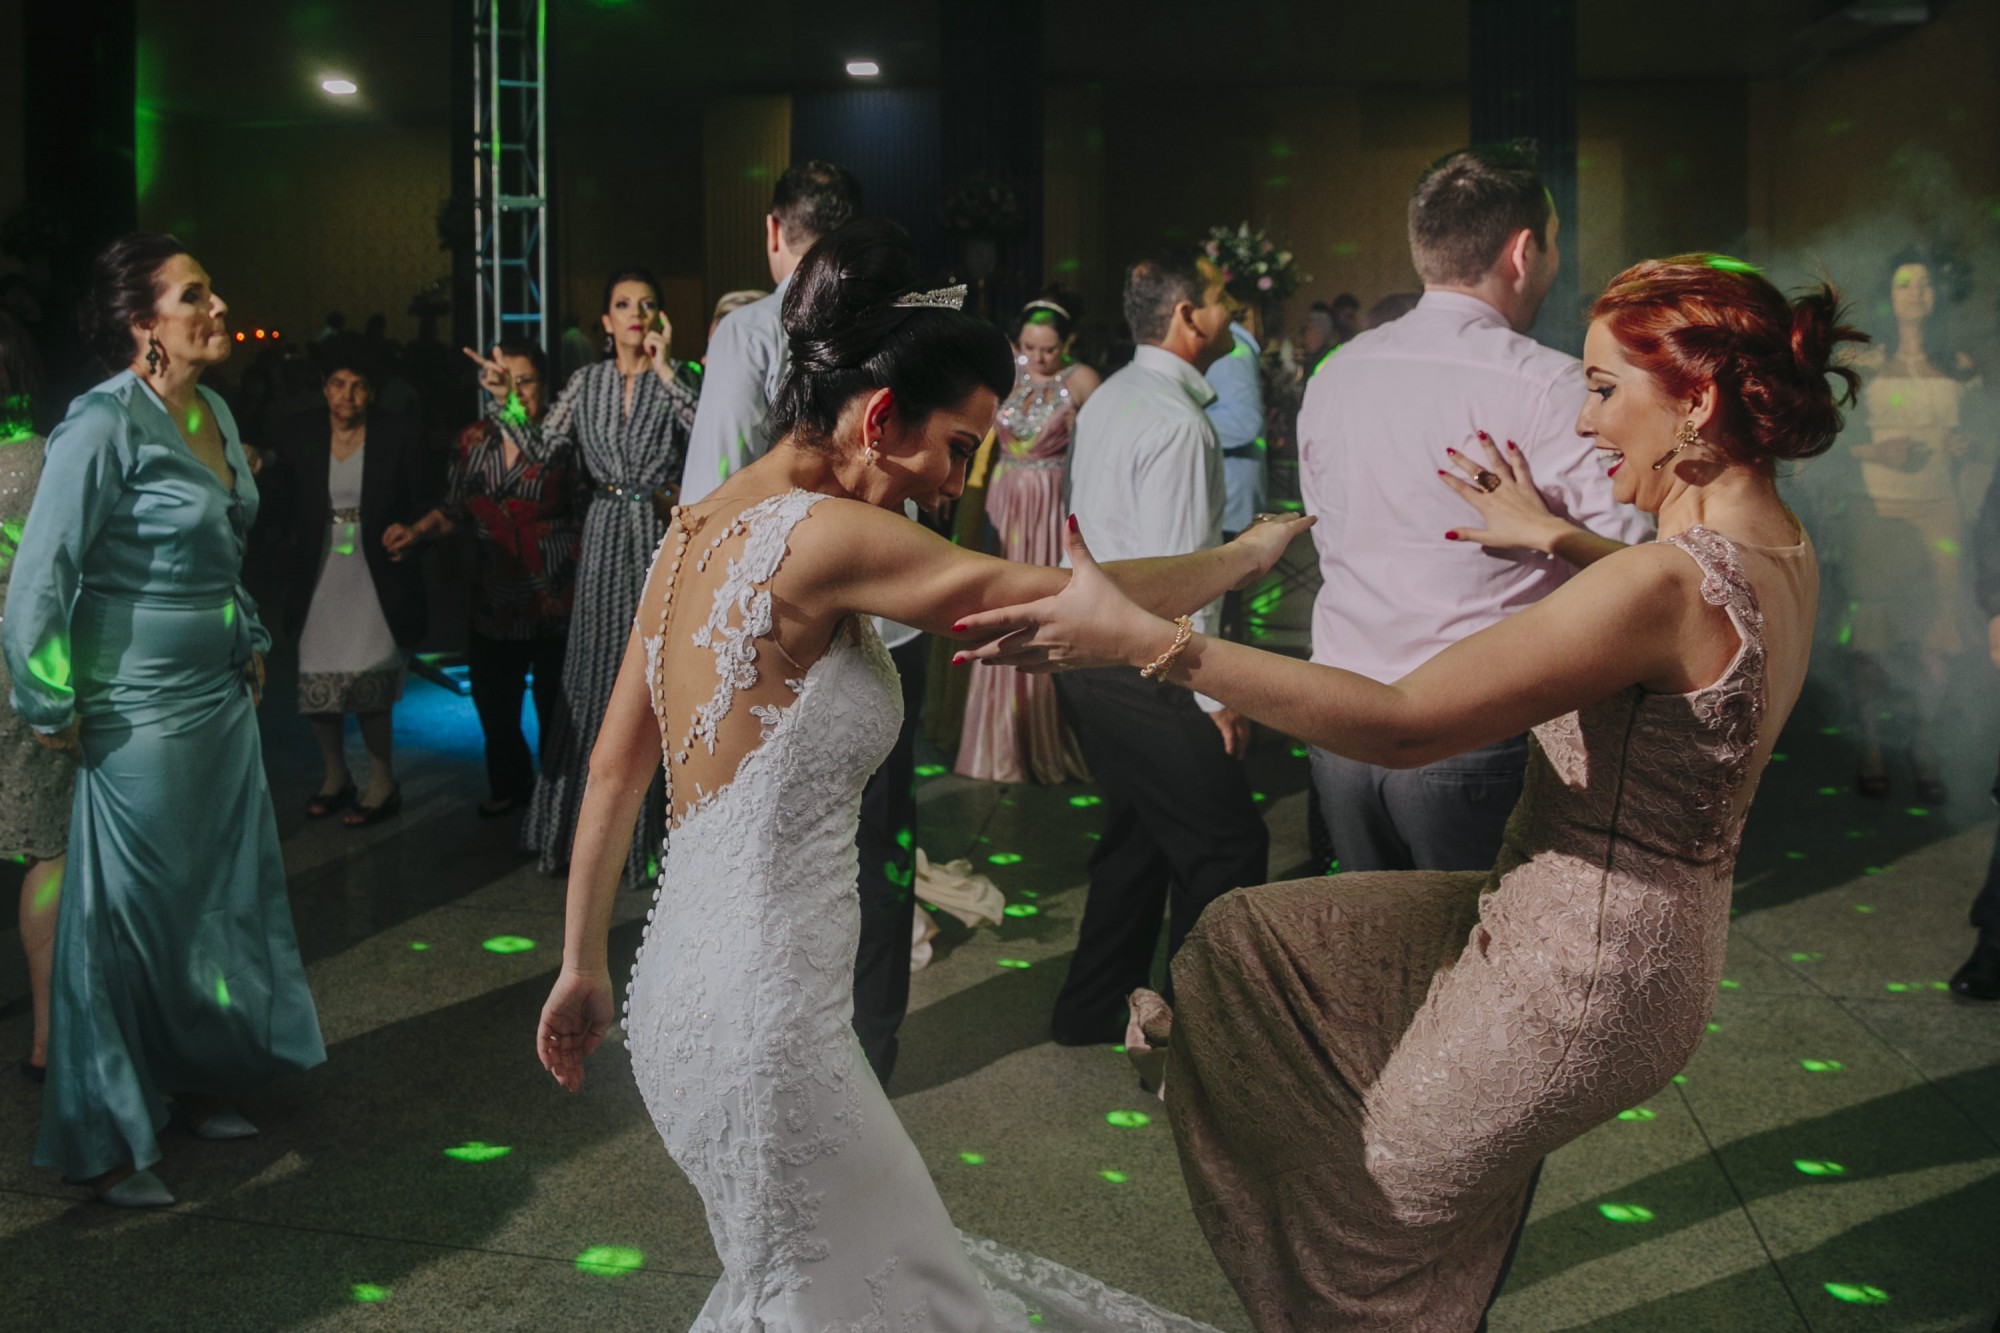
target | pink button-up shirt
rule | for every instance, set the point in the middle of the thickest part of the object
(1376, 421)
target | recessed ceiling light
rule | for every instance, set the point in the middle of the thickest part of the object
(339, 87)
(863, 69)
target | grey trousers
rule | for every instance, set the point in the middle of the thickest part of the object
(1443, 816)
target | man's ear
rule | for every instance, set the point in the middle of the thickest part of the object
(1519, 257)
(774, 235)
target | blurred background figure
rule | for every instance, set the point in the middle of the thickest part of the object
(1901, 532)
(35, 781)
(526, 520)
(1013, 730)
(354, 472)
(1390, 308)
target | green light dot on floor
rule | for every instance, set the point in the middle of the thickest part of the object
(610, 1260)
(508, 944)
(1094, 837)
(1300, 752)
(1018, 964)
(1829, 791)
(1029, 893)
(1864, 908)
(1638, 1113)
(1856, 1294)
(1715, 1027)
(1005, 858)
(367, 1293)
(1625, 1212)
(1728, 984)
(1940, 985)
(1829, 731)
(1798, 957)
(418, 946)
(475, 1151)
(1809, 1167)
(1021, 909)
(972, 1159)
(1115, 1177)
(1917, 812)
(1259, 797)
(1875, 870)
(1821, 1066)
(930, 770)
(1896, 986)
(1795, 856)
(1119, 1049)
(1779, 758)
(1128, 1119)
(1085, 802)
(1680, 1080)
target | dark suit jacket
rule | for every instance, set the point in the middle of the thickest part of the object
(394, 489)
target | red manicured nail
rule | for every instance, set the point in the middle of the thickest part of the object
(958, 659)
(958, 628)
(1072, 522)
(1482, 435)
(1443, 473)
(1515, 447)
(1452, 452)
(1451, 536)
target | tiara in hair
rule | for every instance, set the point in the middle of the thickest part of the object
(1046, 305)
(944, 298)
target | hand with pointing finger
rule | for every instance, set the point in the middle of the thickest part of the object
(494, 377)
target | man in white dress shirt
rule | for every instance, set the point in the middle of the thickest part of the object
(1399, 584)
(1180, 827)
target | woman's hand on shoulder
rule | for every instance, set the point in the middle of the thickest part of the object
(1512, 513)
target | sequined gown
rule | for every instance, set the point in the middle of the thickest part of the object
(737, 1016)
(35, 782)
(1365, 1070)
(1013, 729)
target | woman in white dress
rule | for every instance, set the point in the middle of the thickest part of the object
(754, 672)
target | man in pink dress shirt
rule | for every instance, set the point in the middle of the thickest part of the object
(1377, 419)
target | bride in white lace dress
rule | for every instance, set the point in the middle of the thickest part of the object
(755, 674)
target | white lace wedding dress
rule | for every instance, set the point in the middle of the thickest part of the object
(821, 1210)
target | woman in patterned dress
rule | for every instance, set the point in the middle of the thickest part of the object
(1013, 730)
(625, 420)
(35, 782)
(1365, 1073)
(524, 518)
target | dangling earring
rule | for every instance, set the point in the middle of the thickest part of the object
(1684, 437)
(608, 347)
(153, 355)
(868, 454)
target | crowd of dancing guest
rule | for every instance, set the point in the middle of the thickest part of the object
(624, 420)
(525, 518)
(129, 639)
(351, 473)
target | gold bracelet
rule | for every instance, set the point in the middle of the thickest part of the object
(1183, 633)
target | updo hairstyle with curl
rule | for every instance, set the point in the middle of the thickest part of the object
(1699, 318)
(124, 287)
(848, 337)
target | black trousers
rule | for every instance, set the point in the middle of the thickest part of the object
(887, 843)
(1986, 907)
(499, 672)
(1180, 830)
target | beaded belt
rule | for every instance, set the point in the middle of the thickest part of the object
(626, 493)
(350, 515)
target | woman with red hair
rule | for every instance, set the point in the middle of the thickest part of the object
(1364, 1074)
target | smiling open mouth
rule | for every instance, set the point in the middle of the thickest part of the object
(1612, 459)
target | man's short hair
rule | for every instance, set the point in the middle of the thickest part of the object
(1154, 286)
(1467, 204)
(814, 199)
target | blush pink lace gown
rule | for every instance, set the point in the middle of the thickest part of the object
(1013, 730)
(1364, 1071)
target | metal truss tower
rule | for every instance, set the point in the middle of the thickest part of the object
(509, 169)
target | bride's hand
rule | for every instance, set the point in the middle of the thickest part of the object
(1089, 623)
(1267, 538)
(574, 1021)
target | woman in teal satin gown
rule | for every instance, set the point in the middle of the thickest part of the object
(128, 635)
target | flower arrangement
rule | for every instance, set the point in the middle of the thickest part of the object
(1255, 269)
(983, 205)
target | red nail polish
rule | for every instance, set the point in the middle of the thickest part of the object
(1072, 522)
(1452, 452)
(958, 659)
(1482, 435)
(1451, 536)
(1443, 473)
(958, 629)
(1515, 447)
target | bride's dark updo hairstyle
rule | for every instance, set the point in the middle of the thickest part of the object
(848, 337)
(1697, 318)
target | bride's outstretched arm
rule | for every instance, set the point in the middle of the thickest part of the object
(622, 764)
(1635, 618)
(880, 563)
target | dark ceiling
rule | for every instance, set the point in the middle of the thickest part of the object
(262, 60)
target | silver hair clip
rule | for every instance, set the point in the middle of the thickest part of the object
(944, 298)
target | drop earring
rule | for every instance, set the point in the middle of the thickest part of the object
(153, 355)
(868, 454)
(608, 347)
(1687, 435)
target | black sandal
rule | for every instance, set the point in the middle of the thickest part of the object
(322, 805)
(363, 815)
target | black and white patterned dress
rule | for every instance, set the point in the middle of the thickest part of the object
(628, 458)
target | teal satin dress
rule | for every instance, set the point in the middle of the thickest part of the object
(176, 966)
